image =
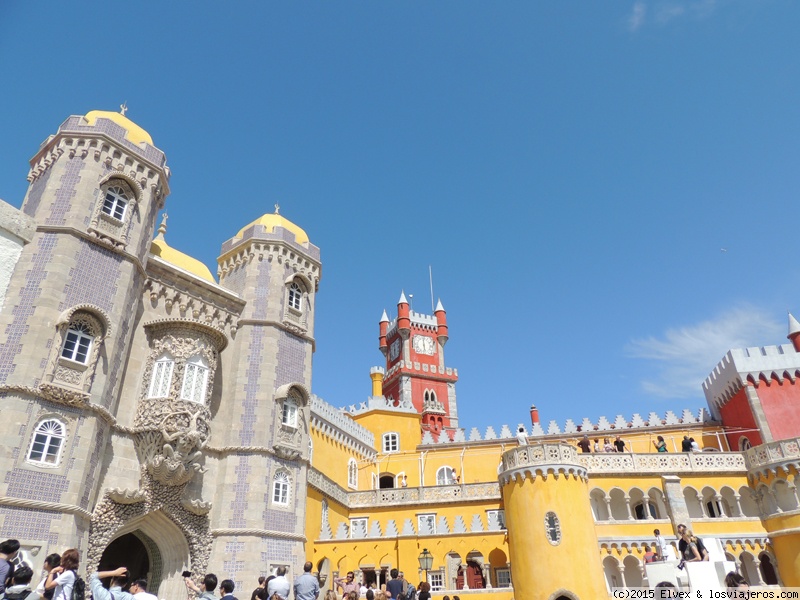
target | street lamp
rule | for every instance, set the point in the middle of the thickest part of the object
(425, 562)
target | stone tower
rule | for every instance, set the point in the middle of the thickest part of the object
(413, 344)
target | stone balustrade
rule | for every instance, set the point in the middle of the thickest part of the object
(767, 458)
(664, 462)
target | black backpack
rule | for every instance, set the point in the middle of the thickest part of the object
(78, 588)
(701, 548)
(18, 595)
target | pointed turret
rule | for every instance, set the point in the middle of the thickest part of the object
(441, 323)
(383, 326)
(403, 316)
(794, 332)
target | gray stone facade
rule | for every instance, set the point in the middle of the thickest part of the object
(140, 398)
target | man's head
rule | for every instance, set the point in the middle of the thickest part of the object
(307, 567)
(586, 437)
(681, 529)
(656, 532)
(209, 582)
(350, 576)
(393, 573)
(617, 439)
(261, 580)
(226, 587)
(120, 580)
(140, 585)
(281, 571)
(9, 548)
(23, 575)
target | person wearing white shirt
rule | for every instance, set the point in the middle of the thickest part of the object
(139, 590)
(280, 585)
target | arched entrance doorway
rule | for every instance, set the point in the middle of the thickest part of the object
(127, 551)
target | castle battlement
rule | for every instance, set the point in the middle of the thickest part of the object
(753, 364)
(335, 423)
(379, 403)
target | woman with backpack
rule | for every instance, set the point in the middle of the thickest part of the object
(63, 577)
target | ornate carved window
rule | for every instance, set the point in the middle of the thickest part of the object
(47, 442)
(78, 341)
(112, 216)
(552, 528)
(115, 202)
(161, 380)
(352, 473)
(296, 305)
(295, 297)
(195, 378)
(391, 442)
(289, 411)
(280, 488)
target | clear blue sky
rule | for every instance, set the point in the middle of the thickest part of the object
(570, 170)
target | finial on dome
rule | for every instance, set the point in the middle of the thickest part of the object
(123, 108)
(162, 229)
(277, 208)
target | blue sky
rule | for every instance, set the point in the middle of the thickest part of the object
(571, 171)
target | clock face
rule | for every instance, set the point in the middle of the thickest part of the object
(424, 344)
(394, 350)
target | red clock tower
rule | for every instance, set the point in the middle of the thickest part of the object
(413, 344)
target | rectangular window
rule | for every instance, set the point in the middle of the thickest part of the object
(162, 378)
(194, 383)
(289, 416)
(503, 578)
(358, 527)
(426, 524)
(76, 347)
(391, 442)
(500, 515)
(436, 579)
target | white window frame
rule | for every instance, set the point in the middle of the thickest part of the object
(355, 520)
(352, 473)
(503, 577)
(436, 580)
(390, 442)
(161, 377)
(423, 518)
(50, 435)
(289, 412)
(501, 517)
(281, 488)
(78, 334)
(445, 476)
(295, 297)
(195, 380)
(115, 201)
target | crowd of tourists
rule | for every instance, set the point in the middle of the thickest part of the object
(306, 587)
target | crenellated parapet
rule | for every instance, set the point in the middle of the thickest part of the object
(335, 423)
(768, 459)
(380, 403)
(541, 460)
(753, 365)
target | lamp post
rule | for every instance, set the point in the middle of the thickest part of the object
(425, 562)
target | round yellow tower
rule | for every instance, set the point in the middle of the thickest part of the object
(551, 532)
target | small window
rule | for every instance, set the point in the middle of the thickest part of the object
(503, 578)
(195, 378)
(714, 509)
(295, 296)
(500, 515)
(78, 343)
(426, 524)
(358, 527)
(744, 443)
(552, 528)
(289, 414)
(436, 579)
(391, 442)
(352, 473)
(48, 439)
(115, 203)
(161, 380)
(280, 488)
(446, 476)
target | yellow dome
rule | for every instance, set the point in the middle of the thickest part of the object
(271, 221)
(160, 248)
(136, 134)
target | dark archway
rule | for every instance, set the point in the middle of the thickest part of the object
(768, 570)
(127, 551)
(386, 481)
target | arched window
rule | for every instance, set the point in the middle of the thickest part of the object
(391, 442)
(744, 443)
(161, 380)
(433, 396)
(445, 476)
(280, 488)
(195, 378)
(640, 514)
(78, 342)
(352, 473)
(289, 412)
(48, 439)
(115, 203)
(295, 297)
